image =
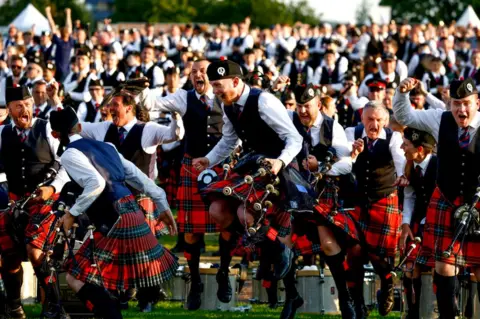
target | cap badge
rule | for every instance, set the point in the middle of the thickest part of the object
(469, 87)
(221, 71)
(310, 92)
(415, 136)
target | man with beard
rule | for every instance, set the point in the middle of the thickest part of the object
(202, 118)
(264, 127)
(137, 142)
(28, 152)
(422, 173)
(102, 175)
(376, 203)
(456, 133)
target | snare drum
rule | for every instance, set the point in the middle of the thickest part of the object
(259, 293)
(209, 295)
(318, 291)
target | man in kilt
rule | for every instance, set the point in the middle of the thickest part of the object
(122, 252)
(202, 119)
(456, 132)
(421, 170)
(137, 141)
(28, 153)
(378, 158)
(264, 127)
(321, 135)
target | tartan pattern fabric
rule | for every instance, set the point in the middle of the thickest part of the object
(129, 257)
(151, 214)
(419, 254)
(439, 231)
(304, 246)
(379, 225)
(167, 181)
(339, 220)
(37, 237)
(192, 216)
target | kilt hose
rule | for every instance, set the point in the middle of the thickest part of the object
(379, 225)
(151, 214)
(279, 221)
(192, 216)
(439, 231)
(38, 229)
(129, 257)
(338, 220)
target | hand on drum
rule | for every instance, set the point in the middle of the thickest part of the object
(167, 218)
(312, 164)
(43, 193)
(406, 233)
(67, 220)
(276, 165)
(201, 163)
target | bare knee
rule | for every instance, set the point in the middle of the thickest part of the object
(219, 211)
(35, 255)
(74, 283)
(191, 238)
(328, 242)
(444, 269)
(355, 251)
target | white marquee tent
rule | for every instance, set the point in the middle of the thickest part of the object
(469, 17)
(31, 16)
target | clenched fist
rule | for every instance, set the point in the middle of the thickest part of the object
(407, 85)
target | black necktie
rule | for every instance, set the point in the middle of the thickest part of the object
(418, 171)
(121, 135)
(236, 109)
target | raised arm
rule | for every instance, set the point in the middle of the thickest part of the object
(51, 22)
(68, 21)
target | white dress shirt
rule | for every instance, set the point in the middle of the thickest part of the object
(274, 114)
(158, 77)
(176, 102)
(70, 85)
(288, 67)
(83, 110)
(410, 196)
(42, 108)
(318, 77)
(395, 143)
(343, 165)
(427, 84)
(84, 174)
(61, 178)
(425, 120)
(363, 89)
(153, 134)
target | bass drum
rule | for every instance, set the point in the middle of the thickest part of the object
(318, 291)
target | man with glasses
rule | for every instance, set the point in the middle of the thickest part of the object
(14, 78)
(34, 72)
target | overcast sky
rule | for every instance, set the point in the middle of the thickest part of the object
(340, 10)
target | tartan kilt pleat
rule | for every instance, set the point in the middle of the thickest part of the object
(379, 225)
(338, 219)
(129, 257)
(419, 254)
(303, 245)
(38, 231)
(151, 214)
(192, 216)
(439, 232)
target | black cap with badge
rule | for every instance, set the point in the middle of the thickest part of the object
(419, 138)
(63, 120)
(223, 69)
(18, 93)
(460, 88)
(304, 93)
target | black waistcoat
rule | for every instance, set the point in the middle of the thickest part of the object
(27, 163)
(255, 134)
(203, 126)
(132, 149)
(298, 78)
(458, 169)
(375, 171)
(423, 187)
(110, 80)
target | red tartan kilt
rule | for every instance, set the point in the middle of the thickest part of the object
(304, 246)
(340, 219)
(419, 254)
(380, 225)
(152, 214)
(129, 257)
(192, 216)
(439, 232)
(38, 231)
(171, 187)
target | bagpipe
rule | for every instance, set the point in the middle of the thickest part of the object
(18, 214)
(466, 221)
(411, 248)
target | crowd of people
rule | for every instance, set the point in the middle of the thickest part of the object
(346, 142)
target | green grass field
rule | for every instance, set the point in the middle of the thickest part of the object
(174, 310)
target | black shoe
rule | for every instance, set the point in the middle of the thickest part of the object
(224, 292)
(194, 300)
(162, 295)
(54, 311)
(282, 266)
(16, 313)
(177, 249)
(361, 311)
(290, 307)
(386, 300)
